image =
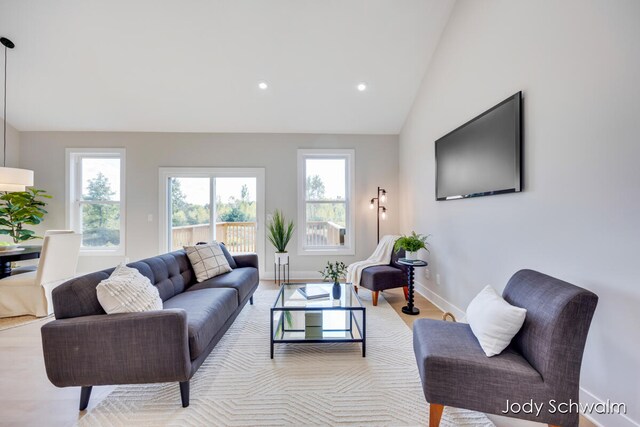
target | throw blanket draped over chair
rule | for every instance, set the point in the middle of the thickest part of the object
(381, 256)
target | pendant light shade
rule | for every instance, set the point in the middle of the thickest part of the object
(11, 179)
(14, 179)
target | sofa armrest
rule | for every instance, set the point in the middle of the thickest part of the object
(246, 260)
(128, 348)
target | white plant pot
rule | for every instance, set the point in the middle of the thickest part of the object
(281, 258)
(411, 255)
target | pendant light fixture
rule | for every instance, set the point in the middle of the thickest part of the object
(11, 179)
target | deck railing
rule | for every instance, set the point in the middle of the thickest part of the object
(241, 236)
(237, 236)
(324, 233)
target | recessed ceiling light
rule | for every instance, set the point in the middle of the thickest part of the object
(362, 87)
(263, 85)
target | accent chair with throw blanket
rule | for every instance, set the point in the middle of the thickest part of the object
(381, 271)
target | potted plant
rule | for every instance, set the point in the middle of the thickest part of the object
(411, 245)
(280, 233)
(21, 208)
(334, 271)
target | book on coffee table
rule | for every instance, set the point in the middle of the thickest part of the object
(313, 292)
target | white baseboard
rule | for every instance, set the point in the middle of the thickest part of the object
(296, 275)
(605, 420)
(438, 301)
(601, 420)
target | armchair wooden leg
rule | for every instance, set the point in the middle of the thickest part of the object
(552, 425)
(405, 289)
(375, 297)
(435, 413)
(355, 288)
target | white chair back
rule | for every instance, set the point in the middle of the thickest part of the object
(59, 258)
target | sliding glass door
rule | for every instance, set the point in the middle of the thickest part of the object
(205, 204)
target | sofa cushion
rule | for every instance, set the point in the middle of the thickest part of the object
(243, 280)
(207, 260)
(128, 291)
(227, 255)
(207, 311)
(381, 277)
(448, 355)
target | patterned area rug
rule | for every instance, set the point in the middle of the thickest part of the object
(305, 384)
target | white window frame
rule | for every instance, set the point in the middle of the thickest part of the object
(73, 195)
(211, 172)
(349, 155)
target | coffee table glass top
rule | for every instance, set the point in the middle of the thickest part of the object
(334, 317)
(291, 298)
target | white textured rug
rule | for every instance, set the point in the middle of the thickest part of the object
(305, 384)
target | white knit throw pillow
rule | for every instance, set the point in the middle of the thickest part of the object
(128, 291)
(207, 260)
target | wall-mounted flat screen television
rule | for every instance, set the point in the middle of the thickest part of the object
(482, 157)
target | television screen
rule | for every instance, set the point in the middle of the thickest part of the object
(483, 156)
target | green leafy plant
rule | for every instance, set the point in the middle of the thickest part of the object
(334, 271)
(280, 232)
(412, 243)
(21, 208)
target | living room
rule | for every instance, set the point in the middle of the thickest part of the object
(195, 113)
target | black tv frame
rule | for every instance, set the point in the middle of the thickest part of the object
(519, 184)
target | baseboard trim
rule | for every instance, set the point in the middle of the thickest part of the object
(601, 420)
(438, 301)
(296, 275)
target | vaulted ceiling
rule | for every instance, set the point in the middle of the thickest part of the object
(195, 66)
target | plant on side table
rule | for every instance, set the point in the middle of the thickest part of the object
(411, 245)
(280, 233)
(21, 208)
(334, 271)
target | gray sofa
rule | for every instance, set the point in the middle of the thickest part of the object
(85, 347)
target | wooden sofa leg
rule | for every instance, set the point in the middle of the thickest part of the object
(251, 300)
(85, 394)
(405, 289)
(435, 413)
(375, 297)
(184, 393)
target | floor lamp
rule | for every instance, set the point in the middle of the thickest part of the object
(381, 212)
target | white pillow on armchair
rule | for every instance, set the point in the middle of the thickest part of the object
(494, 321)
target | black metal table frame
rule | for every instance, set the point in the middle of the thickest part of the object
(352, 320)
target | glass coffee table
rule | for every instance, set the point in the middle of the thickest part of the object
(332, 318)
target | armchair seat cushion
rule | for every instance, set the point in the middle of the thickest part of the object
(456, 372)
(381, 277)
(243, 279)
(207, 311)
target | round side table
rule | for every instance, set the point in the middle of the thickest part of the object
(409, 308)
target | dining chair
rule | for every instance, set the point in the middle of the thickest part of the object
(26, 268)
(30, 292)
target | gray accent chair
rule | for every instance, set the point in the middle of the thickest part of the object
(382, 277)
(541, 363)
(85, 347)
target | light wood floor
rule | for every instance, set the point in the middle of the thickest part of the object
(27, 398)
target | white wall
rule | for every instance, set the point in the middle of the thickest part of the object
(376, 164)
(578, 64)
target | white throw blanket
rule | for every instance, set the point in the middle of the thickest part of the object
(381, 256)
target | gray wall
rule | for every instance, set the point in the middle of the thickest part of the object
(376, 164)
(578, 64)
(13, 145)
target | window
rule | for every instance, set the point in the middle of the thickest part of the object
(95, 199)
(325, 195)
